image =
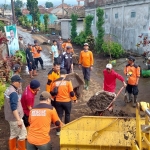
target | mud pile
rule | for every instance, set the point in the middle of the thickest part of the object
(100, 100)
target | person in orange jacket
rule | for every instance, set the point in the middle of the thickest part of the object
(132, 71)
(66, 44)
(36, 50)
(52, 76)
(86, 62)
(62, 89)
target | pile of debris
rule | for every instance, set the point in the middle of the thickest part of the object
(100, 101)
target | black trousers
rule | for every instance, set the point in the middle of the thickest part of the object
(25, 120)
(36, 60)
(60, 108)
(68, 70)
(132, 89)
(86, 73)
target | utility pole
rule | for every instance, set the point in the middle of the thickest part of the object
(63, 8)
(13, 11)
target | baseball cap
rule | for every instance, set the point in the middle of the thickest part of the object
(131, 58)
(16, 67)
(16, 78)
(86, 44)
(34, 84)
(45, 95)
(109, 66)
(68, 47)
(69, 38)
(63, 71)
(59, 37)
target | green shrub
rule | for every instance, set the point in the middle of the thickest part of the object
(80, 39)
(91, 41)
(113, 49)
(2, 26)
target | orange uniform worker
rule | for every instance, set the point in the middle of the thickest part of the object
(132, 71)
(52, 76)
(68, 44)
(62, 89)
(36, 50)
(40, 119)
(86, 62)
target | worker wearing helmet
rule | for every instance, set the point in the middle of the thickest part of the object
(132, 71)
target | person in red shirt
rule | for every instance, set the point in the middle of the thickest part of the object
(27, 99)
(110, 77)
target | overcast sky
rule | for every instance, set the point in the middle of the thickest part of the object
(42, 2)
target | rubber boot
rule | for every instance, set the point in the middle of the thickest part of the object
(12, 144)
(43, 67)
(34, 73)
(21, 145)
(130, 98)
(87, 87)
(134, 101)
(37, 68)
(30, 72)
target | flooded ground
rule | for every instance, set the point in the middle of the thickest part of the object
(79, 109)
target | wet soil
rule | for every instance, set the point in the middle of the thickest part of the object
(80, 109)
(100, 101)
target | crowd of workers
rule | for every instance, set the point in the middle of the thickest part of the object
(34, 122)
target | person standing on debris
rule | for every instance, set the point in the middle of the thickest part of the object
(21, 43)
(36, 50)
(40, 119)
(13, 114)
(27, 99)
(86, 62)
(68, 43)
(62, 90)
(132, 71)
(52, 76)
(55, 52)
(59, 44)
(30, 61)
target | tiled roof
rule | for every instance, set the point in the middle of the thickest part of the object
(25, 11)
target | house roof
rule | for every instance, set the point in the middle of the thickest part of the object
(41, 7)
(43, 11)
(49, 10)
(65, 6)
(25, 11)
(79, 10)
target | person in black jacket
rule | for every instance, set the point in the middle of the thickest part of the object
(68, 61)
(30, 61)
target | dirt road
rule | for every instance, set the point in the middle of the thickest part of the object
(79, 109)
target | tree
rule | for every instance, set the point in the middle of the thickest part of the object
(48, 4)
(18, 4)
(88, 23)
(74, 18)
(46, 21)
(18, 12)
(100, 29)
(32, 6)
(5, 6)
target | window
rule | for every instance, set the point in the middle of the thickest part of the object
(133, 14)
(116, 15)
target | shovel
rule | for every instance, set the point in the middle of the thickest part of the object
(125, 96)
(101, 111)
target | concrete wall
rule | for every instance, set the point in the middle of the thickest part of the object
(127, 29)
(66, 28)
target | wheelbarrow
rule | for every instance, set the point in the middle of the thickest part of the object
(100, 112)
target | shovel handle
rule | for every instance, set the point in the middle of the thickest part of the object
(115, 97)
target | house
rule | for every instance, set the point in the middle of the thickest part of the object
(127, 21)
(25, 12)
(66, 27)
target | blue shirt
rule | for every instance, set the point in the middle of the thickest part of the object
(55, 51)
